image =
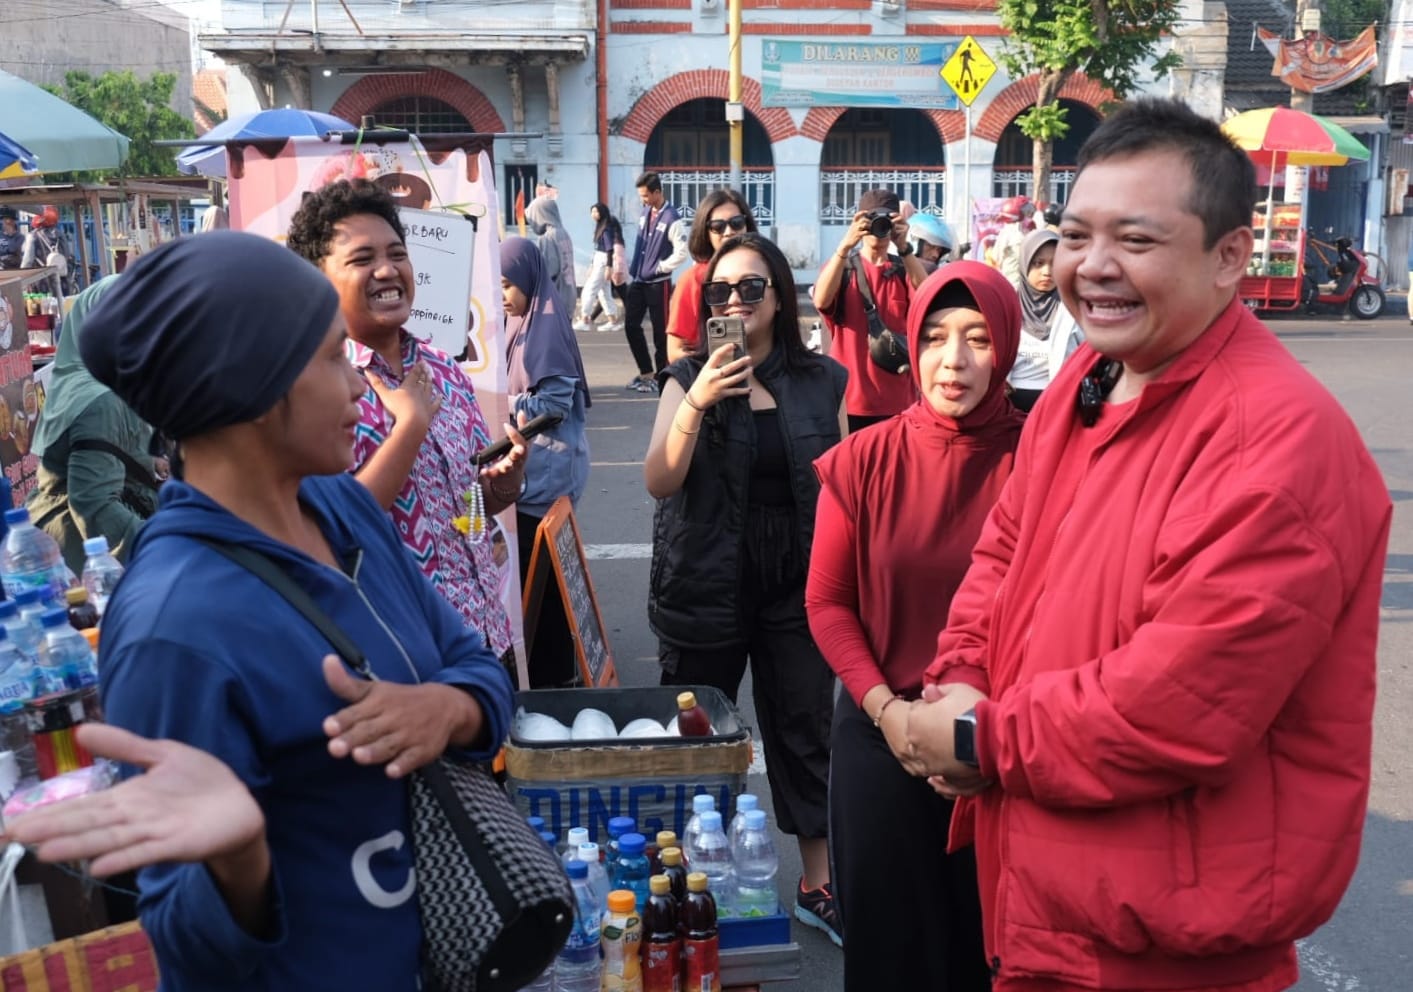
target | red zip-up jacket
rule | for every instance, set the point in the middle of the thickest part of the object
(1174, 614)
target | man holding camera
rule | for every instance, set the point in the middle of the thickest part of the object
(850, 284)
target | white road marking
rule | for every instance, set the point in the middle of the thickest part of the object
(1318, 964)
(614, 464)
(621, 427)
(603, 552)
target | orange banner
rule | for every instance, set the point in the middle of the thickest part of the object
(1317, 64)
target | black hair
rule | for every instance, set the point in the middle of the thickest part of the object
(311, 232)
(699, 241)
(954, 294)
(651, 180)
(787, 318)
(1223, 179)
(606, 220)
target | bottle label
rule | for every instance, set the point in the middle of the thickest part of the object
(701, 965)
(662, 967)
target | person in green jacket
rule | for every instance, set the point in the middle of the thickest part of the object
(96, 477)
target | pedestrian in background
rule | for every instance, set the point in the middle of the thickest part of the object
(661, 246)
(723, 213)
(598, 289)
(542, 214)
(12, 240)
(1004, 253)
(729, 464)
(900, 506)
(1049, 332)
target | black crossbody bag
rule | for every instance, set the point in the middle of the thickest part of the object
(888, 351)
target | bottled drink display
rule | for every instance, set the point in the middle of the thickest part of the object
(577, 969)
(745, 802)
(598, 875)
(66, 661)
(676, 872)
(701, 949)
(701, 803)
(82, 615)
(692, 720)
(710, 854)
(633, 867)
(572, 840)
(30, 558)
(662, 944)
(621, 940)
(101, 572)
(757, 864)
(664, 839)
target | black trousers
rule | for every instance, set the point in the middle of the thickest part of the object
(552, 662)
(858, 422)
(911, 911)
(650, 299)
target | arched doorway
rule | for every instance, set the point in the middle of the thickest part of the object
(868, 147)
(1013, 165)
(690, 148)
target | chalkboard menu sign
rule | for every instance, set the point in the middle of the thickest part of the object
(559, 552)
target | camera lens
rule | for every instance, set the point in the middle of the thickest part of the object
(881, 224)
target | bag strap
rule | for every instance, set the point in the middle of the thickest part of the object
(136, 471)
(866, 294)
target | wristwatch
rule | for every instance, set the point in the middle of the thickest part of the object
(964, 738)
(905, 251)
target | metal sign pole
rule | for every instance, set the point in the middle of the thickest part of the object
(966, 180)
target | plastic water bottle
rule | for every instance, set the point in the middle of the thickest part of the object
(67, 662)
(598, 875)
(16, 674)
(617, 827)
(711, 855)
(575, 837)
(633, 867)
(537, 823)
(23, 634)
(30, 558)
(577, 969)
(745, 802)
(101, 573)
(701, 803)
(757, 864)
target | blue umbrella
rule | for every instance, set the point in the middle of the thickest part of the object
(16, 156)
(286, 122)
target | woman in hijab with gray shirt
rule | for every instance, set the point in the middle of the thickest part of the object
(1049, 332)
(542, 214)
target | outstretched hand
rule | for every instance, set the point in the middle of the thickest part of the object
(188, 806)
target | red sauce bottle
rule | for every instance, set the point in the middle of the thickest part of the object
(701, 951)
(692, 720)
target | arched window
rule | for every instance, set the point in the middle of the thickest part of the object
(421, 115)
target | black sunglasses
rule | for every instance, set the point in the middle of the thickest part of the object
(737, 223)
(751, 289)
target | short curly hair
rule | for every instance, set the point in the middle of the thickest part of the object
(312, 230)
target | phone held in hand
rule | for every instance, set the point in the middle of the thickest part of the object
(726, 330)
(495, 452)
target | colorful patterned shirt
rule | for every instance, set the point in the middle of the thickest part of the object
(462, 567)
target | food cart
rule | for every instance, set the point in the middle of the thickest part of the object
(1275, 277)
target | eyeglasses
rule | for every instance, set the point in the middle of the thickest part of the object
(750, 289)
(737, 224)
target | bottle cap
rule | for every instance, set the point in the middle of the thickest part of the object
(746, 802)
(589, 852)
(686, 700)
(577, 836)
(76, 596)
(57, 617)
(90, 634)
(702, 803)
(8, 608)
(577, 869)
(4, 633)
(666, 838)
(711, 821)
(622, 901)
(659, 885)
(620, 825)
(755, 819)
(95, 545)
(537, 823)
(697, 882)
(550, 839)
(671, 856)
(27, 596)
(632, 844)
(18, 515)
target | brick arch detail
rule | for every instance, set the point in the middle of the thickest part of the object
(371, 92)
(1020, 97)
(950, 124)
(697, 84)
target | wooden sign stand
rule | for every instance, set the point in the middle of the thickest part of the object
(559, 551)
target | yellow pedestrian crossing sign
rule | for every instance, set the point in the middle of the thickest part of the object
(968, 70)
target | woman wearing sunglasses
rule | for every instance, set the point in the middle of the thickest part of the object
(730, 466)
(722, 214)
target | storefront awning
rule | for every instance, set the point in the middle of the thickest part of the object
(1361, 124)
(440, 48)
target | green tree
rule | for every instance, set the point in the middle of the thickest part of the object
(1109, 41)
(140, 109)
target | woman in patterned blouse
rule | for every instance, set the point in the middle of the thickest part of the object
(421, 423)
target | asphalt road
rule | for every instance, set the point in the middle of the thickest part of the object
(1367, 365)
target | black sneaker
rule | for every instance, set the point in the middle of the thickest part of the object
(815, 907)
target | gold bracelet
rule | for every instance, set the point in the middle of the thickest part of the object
(878, 720)
(684, 430)
(687, 398)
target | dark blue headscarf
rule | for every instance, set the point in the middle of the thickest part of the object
(208, 331)
(541, 343)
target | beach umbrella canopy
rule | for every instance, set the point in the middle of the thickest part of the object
(15, 158)
(62, 137)
(284, 122)
(1279, 136)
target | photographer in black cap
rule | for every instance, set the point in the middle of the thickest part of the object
(851, 283)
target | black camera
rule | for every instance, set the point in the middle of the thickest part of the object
(880, 223)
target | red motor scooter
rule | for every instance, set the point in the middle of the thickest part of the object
(1351, 285)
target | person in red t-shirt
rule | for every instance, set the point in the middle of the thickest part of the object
(873, 393)
(722, 214)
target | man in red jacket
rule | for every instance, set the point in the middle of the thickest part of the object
(1156, 683)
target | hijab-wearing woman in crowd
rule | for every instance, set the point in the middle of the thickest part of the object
(900, 507)
(419, 423)
(96, 476)
(1049, 332)
(599, 289)
(234, 347)
(722, 214)
(730, 466)
(546, 377)
(542, 214)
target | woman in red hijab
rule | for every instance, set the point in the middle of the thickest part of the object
(900, 506)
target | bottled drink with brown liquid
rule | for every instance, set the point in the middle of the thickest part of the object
(82, 614)
(676, 872)
(662, 944)
(664, 840)
(692, 720)
(701, 950)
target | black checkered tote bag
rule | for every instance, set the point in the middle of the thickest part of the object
(495, 902)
